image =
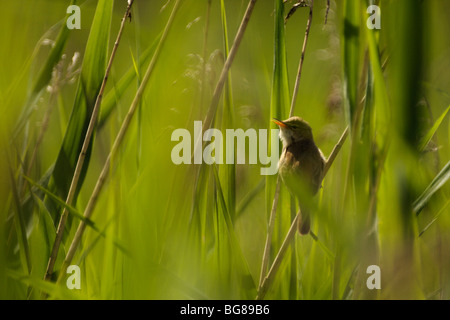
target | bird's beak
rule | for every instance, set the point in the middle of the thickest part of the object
(279, 123)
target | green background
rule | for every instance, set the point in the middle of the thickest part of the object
(167, 232)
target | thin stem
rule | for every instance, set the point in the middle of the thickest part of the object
(276, 263)
(335, 151)
(327, 11)
(119, 138)
(265, 261)
(223, 76)
(83, 152)
(290, 236)
(302, 59)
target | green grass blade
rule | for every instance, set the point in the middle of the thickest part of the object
(382, 109)
(229, 176)
(20, 225)
(430, 134)
(53, 290)
(45, 73)
(444, 207)
(54, 56)
(92, 73)
(42, 236)
(350, 56)
(280, 96)
(441, 178)
(75, 213)
(62, 203)
(280, 99)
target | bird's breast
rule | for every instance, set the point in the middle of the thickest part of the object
(301, 162)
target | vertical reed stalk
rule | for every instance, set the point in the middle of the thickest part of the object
(302, 58)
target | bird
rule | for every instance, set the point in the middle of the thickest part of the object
(301, 165)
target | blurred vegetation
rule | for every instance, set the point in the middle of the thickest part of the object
(162, 231)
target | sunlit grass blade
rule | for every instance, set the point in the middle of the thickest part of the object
(441, 178)
(430, 134)
(381, 112)
(92, 72)
(444, 207)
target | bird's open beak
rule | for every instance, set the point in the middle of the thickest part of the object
(279, 123)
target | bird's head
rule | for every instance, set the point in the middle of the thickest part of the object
(294, 129)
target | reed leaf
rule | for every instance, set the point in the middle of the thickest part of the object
(92, 72)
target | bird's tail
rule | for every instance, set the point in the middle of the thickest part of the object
(304, 221)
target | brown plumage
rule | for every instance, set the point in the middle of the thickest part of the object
(301, 165)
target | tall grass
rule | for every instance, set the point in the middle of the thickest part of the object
(143, 227)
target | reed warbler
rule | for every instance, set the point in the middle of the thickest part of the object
(301, 165)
